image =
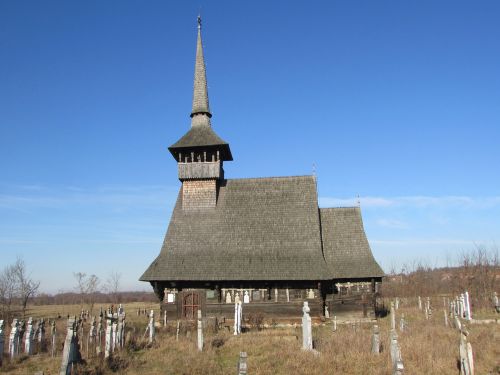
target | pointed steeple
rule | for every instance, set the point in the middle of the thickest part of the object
(200, 113)
(200, 143)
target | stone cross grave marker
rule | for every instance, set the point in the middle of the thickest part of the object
(71, 353)
(53, 338)
(151, 326)
(237, 317)
(28, 340)
(393, 316)
(14, 339)
(242, 364)
(376, 340)
(246, 297)
(306, 328)
(200, 332)
(466, 357)
(2, 335)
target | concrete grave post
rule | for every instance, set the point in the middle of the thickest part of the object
(242, 364)
(14, 339)
(466, 357)
(200, 332)
(114, 336)
(468, 314)
(496, 303)
(419, 303)
(177, 332)
(98, 343)
(327, 313)
(237, 317)
(92, 336)
(28, 340)
(334, 323)
(2, 335)
(445, 318)
(402, 323)
(41, 336)
(108, 345)
(396, 304)
(306, 328)
(53, 338)
(376, 340)
(71, 349)
(151, 326)
(393, 316)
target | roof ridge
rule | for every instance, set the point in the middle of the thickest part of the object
(271, 178)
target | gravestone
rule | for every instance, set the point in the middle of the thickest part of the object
(41, 335)
(237, 317)
(306, 328)
(396, 304)
(246, 297)
(228, 297)
(71, 352)
(393, 316)
(466, 357)
(108, 345)
(98, 343)
(2, 335)
(419, 303)
(242, 364)
(53, 338)
(445, 318)
(151, 326)
(468, 315)
(327, 313)
(376, 340)
(237, 298)
(496, 303)
(14, 339)
(28, 340)
(334, 323)
(200, 332)
(402, 323)
(310, 294)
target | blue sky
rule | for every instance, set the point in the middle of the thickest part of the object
(397, 102)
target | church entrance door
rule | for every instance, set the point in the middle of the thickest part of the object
(190, 305)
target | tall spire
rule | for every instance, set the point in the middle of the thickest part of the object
(200, 114)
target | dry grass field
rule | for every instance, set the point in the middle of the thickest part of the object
(428, 347)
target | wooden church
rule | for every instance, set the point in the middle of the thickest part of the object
(262, 241)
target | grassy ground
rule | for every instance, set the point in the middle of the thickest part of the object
(428, 347)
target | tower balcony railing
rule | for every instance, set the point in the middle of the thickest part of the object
(200, 170)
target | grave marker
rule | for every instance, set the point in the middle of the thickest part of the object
(200, 332)
(28, 341)
(2, 335)
(306, 328)
(242, 364)
(71, 353)
(14, 339)
(376, 340)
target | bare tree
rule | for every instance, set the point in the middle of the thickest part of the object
(7, 290)
(113, 285)
(26, 287)
(87, 286)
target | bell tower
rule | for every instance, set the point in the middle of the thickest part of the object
(200, 153)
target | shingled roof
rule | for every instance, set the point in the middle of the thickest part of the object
(345, 245)
(261, 229)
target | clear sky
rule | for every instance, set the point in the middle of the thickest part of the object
(395, 101)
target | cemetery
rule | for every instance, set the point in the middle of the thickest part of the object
(443, 335)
